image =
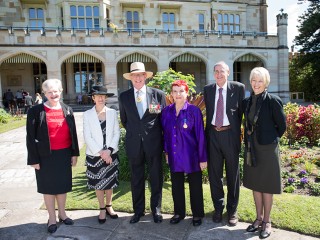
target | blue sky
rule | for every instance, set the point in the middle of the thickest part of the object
(293, 10)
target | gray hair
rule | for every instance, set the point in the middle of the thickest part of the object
(223, 64)
(262, 73)
(47, 84)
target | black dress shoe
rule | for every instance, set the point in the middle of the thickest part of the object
(196, 221)
(113, 216)
(136, 217)
(52, 228)
(217, 217)
(263, 233)
(253, 227)
(67, 221)
(102, 220)
(157, 217)
(176, 219)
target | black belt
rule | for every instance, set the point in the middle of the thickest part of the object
(223, 128)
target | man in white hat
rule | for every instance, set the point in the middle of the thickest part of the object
(140, 109)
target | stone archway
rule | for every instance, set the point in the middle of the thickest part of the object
(188, 63)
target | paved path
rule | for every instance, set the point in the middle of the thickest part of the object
(21, 218)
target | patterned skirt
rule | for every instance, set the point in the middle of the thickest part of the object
(102, 176)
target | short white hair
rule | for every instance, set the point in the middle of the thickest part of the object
(223, 64)
(262, 73)
(47, 84)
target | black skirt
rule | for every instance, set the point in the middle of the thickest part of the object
(102, 176)
(55, 174)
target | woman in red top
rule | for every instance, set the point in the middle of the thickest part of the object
(52, 149)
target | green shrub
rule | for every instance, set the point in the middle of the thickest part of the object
(4, 116)
(289, 189)
(315, 189)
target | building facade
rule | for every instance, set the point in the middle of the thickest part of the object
(85, 43)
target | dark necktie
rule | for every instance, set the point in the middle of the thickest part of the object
(219, 111)
(139, 104)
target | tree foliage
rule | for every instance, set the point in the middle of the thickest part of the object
(304, 69)
(163, 80)
(309, 28)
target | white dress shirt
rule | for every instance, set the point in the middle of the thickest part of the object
(224, 94)
(143, 96)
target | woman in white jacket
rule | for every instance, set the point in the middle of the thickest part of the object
(101, 134)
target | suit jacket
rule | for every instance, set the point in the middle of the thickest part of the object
(235, 95)
(147, 130)
(271, 123)
(93, 134)
(38, 142)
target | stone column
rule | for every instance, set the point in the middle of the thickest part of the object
(283, 65)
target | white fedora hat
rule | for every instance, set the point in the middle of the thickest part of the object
(137, 67)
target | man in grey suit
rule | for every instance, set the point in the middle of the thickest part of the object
(223, 101)
(140, 109)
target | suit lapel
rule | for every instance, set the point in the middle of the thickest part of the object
(230, 94)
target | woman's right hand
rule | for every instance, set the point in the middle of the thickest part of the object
(36, 166)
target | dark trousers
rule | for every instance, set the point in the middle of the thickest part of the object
(137, 166)
(196, 193)
(224, 148)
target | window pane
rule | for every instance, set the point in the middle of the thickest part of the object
(88, 11)
(40, 13)
(165, 26)
(81, 11)
(77, 83)
(74, 23)
(73, 11)
(129, 16)
(219, 18)
(172, 17)
(237, 28)
(219, 27)
(96, 12)
(225, 27)
(201, 18)
(33, 23)
(225, 18)
(136, 16)
(81, 23)
(96, 23)
(172, 26)
(165, 17)
(136, 25)
(231, 28)
(32, 13)
(237, 19)
(129, 25)
(231, 18)
(89, 23)
(40, 23)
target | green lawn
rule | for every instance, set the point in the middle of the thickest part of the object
(12, 124)
(292, 212)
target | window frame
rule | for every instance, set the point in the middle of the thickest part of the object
(85, 16)
(36, 19)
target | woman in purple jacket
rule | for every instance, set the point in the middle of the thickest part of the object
(185, 149)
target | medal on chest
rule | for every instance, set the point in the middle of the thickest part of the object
(185, 123)
(139, 99)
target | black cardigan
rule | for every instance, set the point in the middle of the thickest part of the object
(38, 143)
(271, 123)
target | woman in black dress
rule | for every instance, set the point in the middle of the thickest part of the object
(265, 123)
(52, 146)
(101, 134)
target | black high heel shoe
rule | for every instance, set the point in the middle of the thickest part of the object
(113, 216)
(67, 221)
(52, 228)
(103, 220)
(263, 233)
(252, 227)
